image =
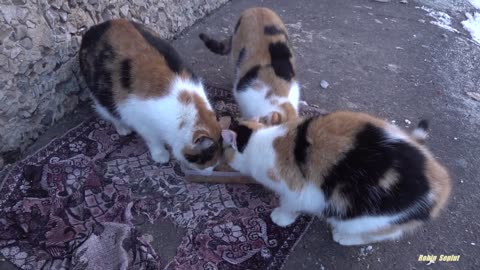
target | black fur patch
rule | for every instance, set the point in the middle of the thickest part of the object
(101, 86)
(243, 136)
(358, 174)
(272, 30)
(93, 35)
(193, 76)
(280, 57)
(90, 41)
(204, 156)
(237, 25)
(241, 56)
(125, 73)
(423, 124)
(301, 144)
(251, 75)
(173, 59)
(218, 47)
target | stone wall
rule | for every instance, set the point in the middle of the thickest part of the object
(39, 41)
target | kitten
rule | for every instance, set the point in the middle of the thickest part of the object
(265, 84)
(139, 82)
(371, 180)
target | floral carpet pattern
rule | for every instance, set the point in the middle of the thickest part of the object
(71, 206)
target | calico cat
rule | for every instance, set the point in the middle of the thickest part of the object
(371, 180)
(265, 84)
(139, 82)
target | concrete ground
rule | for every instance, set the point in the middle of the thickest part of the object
(381, 58)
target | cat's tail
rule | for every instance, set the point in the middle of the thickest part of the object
(420, 133)
(219, 47)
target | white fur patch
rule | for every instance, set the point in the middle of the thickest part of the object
(252, 101)
(394, 133)
(294, 95)
(259, 155)
(363, 224)
(419, 134)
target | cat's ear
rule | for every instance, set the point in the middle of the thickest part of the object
(229, 138)
(203, 143)
(225, 122)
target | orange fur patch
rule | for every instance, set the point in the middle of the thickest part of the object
(185, 97)
(151, 74)
(440, 183)
(206, 119)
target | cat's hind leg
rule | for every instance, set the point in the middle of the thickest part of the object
(308, 200)
(346, 239)
(393, 232)
(366, 230)
(120, 127)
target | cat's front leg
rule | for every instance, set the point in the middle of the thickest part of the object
(157, 150)
(283, 216)
(160, 154)
(121, 128)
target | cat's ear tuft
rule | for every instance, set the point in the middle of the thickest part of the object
(229, 138)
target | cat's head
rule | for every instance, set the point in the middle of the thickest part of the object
(206, 149)
(236, 138)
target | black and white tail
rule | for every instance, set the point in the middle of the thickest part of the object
(420, 133)
(219, 47)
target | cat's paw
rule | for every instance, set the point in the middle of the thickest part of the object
(123, 130)
(282, 218)
(348, 239)
(161, 156)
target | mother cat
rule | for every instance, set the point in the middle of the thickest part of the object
(139, 82)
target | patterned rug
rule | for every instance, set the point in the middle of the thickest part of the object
(72, 204)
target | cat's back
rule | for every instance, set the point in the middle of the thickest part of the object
(360, 154)
(127, 58)
(258, 23)
(258, 36)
